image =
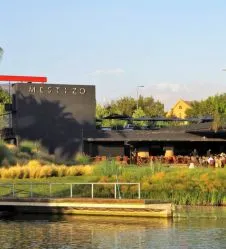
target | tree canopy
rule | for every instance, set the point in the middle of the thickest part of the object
(4, 99)
(208, 107)
(147, 106)
(213, 106)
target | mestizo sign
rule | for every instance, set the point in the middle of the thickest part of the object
(57, 89)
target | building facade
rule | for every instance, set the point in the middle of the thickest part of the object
(179, 109)
(55, 115)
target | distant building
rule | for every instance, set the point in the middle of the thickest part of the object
(179, 109)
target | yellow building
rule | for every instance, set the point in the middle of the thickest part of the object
(179, 109)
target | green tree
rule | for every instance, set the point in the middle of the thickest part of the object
(151, 107)
(4, 99)
(139, 113)
(214, 106)
(124, 106)
(128, 106)
(104, 111)
(208, 107)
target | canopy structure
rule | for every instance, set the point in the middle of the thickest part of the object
(118, 116)
(155, 119)
(23, 79)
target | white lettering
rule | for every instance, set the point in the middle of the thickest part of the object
(74, 91)
(82, 91)
(31, 89)
(49, 89)
(57, 89)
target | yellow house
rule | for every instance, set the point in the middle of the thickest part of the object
(179, 109)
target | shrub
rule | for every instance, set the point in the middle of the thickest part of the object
(45, 158)
(81, 158)
(6, 156)
(29, 147)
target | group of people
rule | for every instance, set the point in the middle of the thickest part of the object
(194, 160)
(215, 161)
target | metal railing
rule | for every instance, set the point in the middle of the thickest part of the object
(70, 190)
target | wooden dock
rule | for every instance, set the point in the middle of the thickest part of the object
(89, 206)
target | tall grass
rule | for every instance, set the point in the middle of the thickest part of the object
(35, 170)
(81, 158)
(186, 186)
(198, 186)
(108, 168)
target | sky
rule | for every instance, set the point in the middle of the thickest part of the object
(175, 49)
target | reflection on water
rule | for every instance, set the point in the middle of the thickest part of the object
(107, 232)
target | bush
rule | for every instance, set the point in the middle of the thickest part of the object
(81, 158)
(6, 156)
(44, 157)
(29, 147)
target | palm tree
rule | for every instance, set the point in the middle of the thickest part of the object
(1, 53)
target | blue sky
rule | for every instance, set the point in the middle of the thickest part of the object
(176, 49)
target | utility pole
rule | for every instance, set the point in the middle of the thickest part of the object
(138, 87)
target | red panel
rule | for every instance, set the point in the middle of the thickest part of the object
(23, 78)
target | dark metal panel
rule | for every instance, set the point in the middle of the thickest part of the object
(108, 149)
(56, 115)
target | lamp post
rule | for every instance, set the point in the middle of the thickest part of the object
(138, 95)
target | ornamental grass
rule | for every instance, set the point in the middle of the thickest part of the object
(34, 169)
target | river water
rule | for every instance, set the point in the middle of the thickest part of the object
(190, 228)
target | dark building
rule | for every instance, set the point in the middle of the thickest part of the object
(182, 140)
(56, 115)
(62, 119)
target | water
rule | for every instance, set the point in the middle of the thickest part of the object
(191, 228)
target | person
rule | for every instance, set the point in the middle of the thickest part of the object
(195, 153)
(218, 162)
(191, 166)
(208, 153)
(211, 161)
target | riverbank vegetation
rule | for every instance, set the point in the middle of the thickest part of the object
(27, 163)
(11, 155)
(199, 186)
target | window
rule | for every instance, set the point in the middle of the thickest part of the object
(180, 107)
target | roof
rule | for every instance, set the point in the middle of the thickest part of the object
(185, 101)
(167, 134)
(188, 102)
